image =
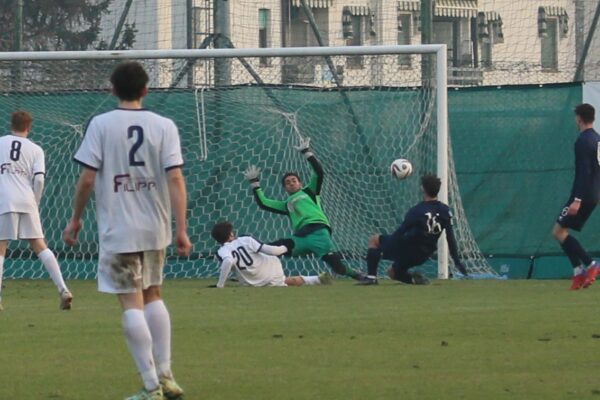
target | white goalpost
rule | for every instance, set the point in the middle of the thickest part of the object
(361, 106)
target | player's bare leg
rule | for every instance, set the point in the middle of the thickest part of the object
(49, 260)
(294, 281)
(159, 322)
(322, 279)
(3, 247)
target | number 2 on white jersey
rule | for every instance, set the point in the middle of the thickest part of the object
(138, 143)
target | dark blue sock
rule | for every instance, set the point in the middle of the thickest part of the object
(572, 257)
(574, 251)
(373, 257)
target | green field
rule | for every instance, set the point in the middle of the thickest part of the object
(449, 340)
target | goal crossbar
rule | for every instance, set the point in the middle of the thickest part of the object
(438, 50)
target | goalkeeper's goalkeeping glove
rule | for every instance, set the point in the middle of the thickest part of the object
(252, 174)
(304, 147)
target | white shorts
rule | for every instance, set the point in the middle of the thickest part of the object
(278, 282)
(14, 226)
(277, 278)
(130, 272)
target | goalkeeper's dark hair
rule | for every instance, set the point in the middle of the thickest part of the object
(221, 231)
(129, 79)
(431, 185)
(585, 112)
(287, 174)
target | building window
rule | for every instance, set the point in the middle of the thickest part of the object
(356, 39)
(443, 32)
(486, 53)
(553, 22)
(357, 21)
(456, 34)
(201, 25)
(550, 45)
(300, 31)
(489, 32)
(404, 36)
(264, 24)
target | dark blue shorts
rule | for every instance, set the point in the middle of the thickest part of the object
(405, 256)
(577, 221)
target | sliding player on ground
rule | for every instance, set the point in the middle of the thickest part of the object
(256, 264)
(415, 241)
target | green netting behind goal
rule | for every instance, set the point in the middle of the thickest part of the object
(513, 151)
(356, 132)
(356, 159)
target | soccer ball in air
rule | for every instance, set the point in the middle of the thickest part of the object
(401, 168)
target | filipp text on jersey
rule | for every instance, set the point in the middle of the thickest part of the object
(8, 168)
(128, 183)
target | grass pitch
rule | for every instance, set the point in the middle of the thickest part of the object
(450, 340)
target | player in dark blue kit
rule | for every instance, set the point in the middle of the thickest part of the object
(585, 194)
(415, 240)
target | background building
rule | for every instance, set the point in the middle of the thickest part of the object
(490, 42)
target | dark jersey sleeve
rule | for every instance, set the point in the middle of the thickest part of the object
(274, 206)
(582, 169)
(452, 246)
(316, 178)
(586, 185)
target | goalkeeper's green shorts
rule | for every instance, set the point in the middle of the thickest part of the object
(318, 243)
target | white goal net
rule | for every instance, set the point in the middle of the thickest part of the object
(361, 111)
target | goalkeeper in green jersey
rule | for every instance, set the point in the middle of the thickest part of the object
(312, 231)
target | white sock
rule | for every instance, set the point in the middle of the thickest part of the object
(139, 341)
(159, 322)
(51, 263)
(578, 270)
(311, 280)
(1, 274)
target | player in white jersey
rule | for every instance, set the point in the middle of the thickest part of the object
(256, 264)
(22, 171)
(131, 158)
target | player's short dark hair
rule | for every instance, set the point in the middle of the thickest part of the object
(289, 174)
(221, 231)
(586, 112)
(20, 121)
(129, 80)
(431, 184)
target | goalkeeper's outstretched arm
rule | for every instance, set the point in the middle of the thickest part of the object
(316, 178)
(252, 174)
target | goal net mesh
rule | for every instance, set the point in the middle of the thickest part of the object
(360, 112)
